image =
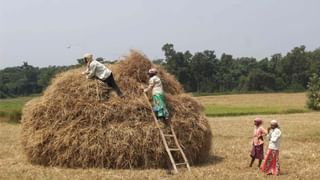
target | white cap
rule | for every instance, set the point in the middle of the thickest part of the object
(153, 71)
(274, 122)
(88, 55)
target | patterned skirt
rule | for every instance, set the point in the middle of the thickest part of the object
(159, 106)
(271, 163)
(257, 151)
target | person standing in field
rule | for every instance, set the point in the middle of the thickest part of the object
(159, 106)
(101, 72)
(271, 165)
(257, 142)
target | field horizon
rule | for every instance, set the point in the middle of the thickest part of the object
(215, 105)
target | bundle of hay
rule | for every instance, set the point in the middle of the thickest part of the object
(71, 126)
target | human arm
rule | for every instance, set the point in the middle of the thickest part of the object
(151, 85)
(86, 71)
(269, 129)
(275, 135)
(91, 70)
(263, 131)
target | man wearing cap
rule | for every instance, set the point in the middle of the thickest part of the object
(159, 106)
(100, 71)
(271, 165)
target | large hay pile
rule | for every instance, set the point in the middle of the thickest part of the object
(71, 126)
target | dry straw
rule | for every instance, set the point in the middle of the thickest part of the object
(71, 126)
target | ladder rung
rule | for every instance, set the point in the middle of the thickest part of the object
(164, 140)
(178, 164)
(174, 149)
(168, 135)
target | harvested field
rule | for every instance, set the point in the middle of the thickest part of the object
(229, 159)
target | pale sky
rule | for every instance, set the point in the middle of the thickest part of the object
(39, 31)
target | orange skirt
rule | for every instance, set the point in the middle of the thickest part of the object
(271, 163)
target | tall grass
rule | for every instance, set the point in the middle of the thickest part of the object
(216, 111)
(11, 108)
(251, 104)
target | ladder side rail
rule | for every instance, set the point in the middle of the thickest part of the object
(162, 136)
(179, 147)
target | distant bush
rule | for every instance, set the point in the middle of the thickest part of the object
(2, 114)
(295, 88)
(15, 116)
(313, 93)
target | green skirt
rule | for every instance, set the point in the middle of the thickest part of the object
(159, 106)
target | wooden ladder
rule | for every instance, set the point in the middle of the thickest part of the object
(169, 150)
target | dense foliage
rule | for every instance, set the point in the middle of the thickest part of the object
(198, 72)
(313, 94)
(26, 79)
(204, 72)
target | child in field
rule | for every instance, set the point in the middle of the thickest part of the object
(159, 106)
(257, 143)
(271, 165)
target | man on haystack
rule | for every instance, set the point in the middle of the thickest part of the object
(159, 106)
(101, 72)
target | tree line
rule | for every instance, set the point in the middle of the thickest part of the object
(201, 72)
(205, 72)
(26, 79)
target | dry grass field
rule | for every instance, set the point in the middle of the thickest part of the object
(299, 154)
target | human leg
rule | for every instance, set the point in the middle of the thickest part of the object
(111, 82)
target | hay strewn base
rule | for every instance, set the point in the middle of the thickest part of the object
(69, 126)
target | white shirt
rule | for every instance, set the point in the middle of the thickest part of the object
(99, 70)
(156, 85)
(274, 139)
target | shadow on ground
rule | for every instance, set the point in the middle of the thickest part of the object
(211, 160)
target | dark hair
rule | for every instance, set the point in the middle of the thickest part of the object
(276, 126)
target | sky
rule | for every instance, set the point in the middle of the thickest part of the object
(57, 32)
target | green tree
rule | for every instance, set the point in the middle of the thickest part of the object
(177, 63)
(295, 68)
(259, 80)
(315, 61)
(100, 59)
(313, 93)
(81, 61)
(228, 73)
(204, 70)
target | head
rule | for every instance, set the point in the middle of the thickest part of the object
(257, 121)
(274, 124)
(88, 57)
(152, 72)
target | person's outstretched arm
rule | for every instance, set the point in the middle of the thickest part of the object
(151, 85)
(264, 131)
(91, 70)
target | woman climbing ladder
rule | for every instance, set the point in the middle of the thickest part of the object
(159, 105)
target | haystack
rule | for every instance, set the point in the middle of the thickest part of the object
(77, 122)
